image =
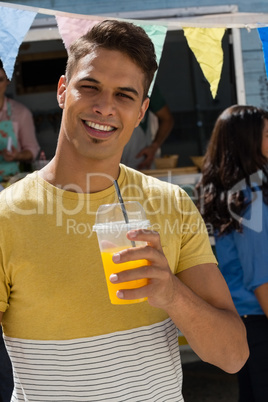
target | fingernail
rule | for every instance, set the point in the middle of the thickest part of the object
(132, 234)
(120, 294)
(113, 278)
(116, 257)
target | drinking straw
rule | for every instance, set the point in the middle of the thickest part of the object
(122, 205)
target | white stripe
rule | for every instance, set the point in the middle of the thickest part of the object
(136, 365)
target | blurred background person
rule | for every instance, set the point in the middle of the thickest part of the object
(233, 199)
(148, 137)
(18, 143)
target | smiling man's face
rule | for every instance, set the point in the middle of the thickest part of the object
(102, 104)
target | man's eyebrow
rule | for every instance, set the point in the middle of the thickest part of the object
(124, 89)
(129, 89)
(89, 79)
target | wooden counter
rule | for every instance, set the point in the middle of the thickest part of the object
(171, 171)
(183, 176)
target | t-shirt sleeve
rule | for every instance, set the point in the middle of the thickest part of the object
(195, 243)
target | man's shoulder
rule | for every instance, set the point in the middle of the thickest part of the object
(147, 181)
(18, 192)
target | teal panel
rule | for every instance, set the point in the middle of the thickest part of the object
(106, 6)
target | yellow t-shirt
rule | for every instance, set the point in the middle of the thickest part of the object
(52, 284)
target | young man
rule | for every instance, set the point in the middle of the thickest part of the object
(65, 339)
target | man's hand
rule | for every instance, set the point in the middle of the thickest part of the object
(149, 154)
(165, 125)
(16, 156)
(12, 155)
(197, 299)
(162, 282)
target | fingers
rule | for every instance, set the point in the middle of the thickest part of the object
(160, 286)
(150, 236)
(131, 294)
(159, 290)
(10, 156)
(147, 161)
(152, 252)
(150, 258)
(132, 274)
(148, 158)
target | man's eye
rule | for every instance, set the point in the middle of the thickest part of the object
(89, 86)
(123, 95)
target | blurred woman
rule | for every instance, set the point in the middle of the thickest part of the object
(233, 199)
(17, 132)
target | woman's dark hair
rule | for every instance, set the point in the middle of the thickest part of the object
(233, 155)
(125, 37)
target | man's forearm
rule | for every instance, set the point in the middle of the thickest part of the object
(204, 312)
(261, 292)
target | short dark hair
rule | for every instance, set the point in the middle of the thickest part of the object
(122, 36)
(1, 64)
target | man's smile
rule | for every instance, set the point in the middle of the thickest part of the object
(97, 130)
(99, 127)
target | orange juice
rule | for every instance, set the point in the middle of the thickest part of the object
(111, 268)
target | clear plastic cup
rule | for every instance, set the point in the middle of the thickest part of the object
(111, 228)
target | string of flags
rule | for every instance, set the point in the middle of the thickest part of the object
(205, 42)
(71, 28)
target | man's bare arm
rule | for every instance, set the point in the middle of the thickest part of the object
(211, 323)
(197, 300)
(261, 292)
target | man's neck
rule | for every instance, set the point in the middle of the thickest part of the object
(90, 177)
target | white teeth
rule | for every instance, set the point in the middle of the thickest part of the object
(99, 126)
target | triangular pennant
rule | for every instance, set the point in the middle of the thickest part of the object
(206, 44)
(14, 24)
(157, 34)
(71, 29)
(263, 34)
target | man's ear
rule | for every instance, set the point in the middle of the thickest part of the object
(144, 107)
(61, 91)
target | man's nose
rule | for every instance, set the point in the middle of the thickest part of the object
(104, 105)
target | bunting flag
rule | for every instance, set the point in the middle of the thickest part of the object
(263, 34)
(73, 28)
(14, 24)
(157, 34)
(16, 20)
(206, 44)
